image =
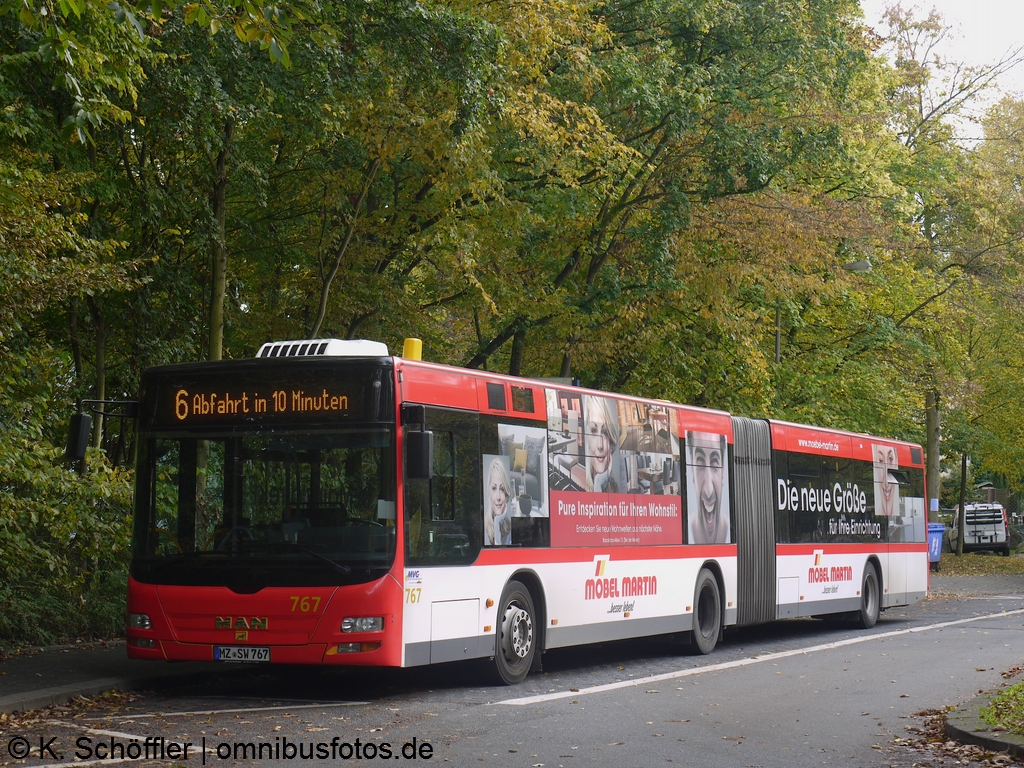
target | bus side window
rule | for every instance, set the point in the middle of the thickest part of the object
(863, 476)
(783, 531)
(442, 513)
(442, 501)
(805, 472)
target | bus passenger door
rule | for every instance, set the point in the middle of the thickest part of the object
(443, 535)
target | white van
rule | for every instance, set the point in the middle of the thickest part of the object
(986, 528)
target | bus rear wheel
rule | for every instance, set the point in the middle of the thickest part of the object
(516, 636)
(870, 601)
(707, 612)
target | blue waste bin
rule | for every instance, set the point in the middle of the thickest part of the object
(936, 533)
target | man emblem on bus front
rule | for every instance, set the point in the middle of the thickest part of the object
(240, 622)
(707, 506)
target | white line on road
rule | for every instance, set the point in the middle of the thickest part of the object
(129, 737)
(1000, 597)
(745, 662)
(326, 705)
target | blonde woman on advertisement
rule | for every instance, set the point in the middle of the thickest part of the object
(498, 518)
(601, 434)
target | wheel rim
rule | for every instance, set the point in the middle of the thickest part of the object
(516, 633)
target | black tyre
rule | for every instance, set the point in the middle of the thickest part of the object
(515, 643)
(1005, 551)
(707, 612)
(870, 598)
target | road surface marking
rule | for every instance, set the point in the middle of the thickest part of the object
(326, 705)
(526, 700)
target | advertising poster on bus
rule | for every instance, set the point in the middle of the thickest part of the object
(515, 484)
(707, 488)
(613, 472)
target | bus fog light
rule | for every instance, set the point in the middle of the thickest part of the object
(363, 624)
(139, 621)
(357, 647)
(143, 642)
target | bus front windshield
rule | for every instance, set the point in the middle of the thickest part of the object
(268, 509)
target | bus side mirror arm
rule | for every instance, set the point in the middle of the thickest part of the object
(80, 430)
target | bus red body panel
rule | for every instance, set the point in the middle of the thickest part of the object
(300, 625)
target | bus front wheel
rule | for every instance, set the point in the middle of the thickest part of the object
(707, 612)
(516, 636)
(870, 599)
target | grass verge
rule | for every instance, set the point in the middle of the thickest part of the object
(1007, 710)
(980, 564)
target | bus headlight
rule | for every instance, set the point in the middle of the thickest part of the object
(363, 624)
(139, 621)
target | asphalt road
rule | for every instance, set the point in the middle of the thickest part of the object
(796, 693)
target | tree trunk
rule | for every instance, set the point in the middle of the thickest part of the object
(515, 363)
(76, 344)
(933, 443)
(962, 514)
(566, 370)
(219, 273)
(341, 250)
(100, 385)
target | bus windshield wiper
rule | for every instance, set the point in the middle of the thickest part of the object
(344, 570)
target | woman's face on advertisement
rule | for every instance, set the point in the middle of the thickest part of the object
(599, 440)
(499, 495)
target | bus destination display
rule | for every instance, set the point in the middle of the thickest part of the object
(196, 405)
(261, 394)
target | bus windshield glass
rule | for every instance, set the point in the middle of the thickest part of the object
(270, 508)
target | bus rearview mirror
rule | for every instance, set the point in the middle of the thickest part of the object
(419, 455)
(78, 436)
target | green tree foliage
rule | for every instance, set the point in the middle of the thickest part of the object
(63, 537)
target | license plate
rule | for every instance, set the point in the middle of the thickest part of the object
(241, 653)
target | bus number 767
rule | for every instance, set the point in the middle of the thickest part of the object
(412, 595)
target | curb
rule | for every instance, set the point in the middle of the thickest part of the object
(29, 650)
(59, 695)
(62, 694)
(965, 724)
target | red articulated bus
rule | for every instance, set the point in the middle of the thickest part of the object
(326, 503)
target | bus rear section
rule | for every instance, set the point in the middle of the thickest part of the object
(265, 509)
(852, 528)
